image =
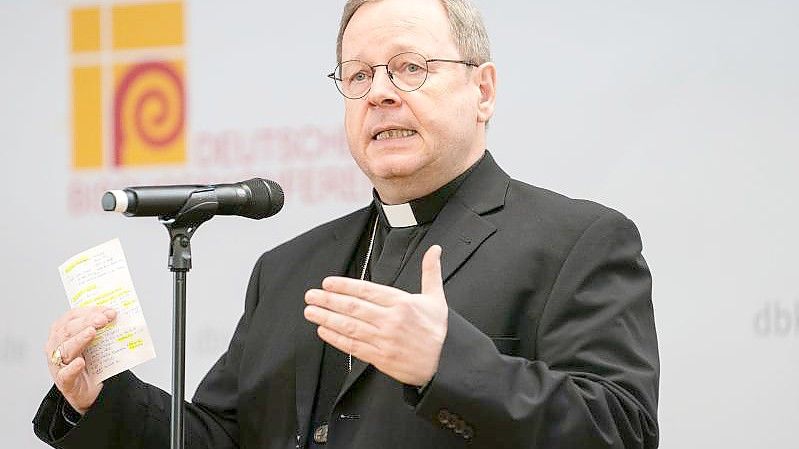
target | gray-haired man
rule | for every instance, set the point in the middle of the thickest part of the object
(460, 308)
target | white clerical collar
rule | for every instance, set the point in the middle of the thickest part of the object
(421, 210)
(399, 215)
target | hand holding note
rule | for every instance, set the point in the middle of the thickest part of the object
(104, 333)
(71, 334)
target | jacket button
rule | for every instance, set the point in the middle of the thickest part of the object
(320, 434)
(468, 433)
(453, 422)
(444, 416)
(460, 426)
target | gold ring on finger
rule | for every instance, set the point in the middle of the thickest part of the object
(57, 358)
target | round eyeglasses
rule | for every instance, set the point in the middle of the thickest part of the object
(407, 71)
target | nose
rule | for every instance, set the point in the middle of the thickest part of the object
(383, 92)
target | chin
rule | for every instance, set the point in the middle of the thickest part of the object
(396, 164)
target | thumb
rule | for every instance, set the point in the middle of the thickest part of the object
(431, 272)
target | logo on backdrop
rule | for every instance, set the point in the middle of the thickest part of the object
(128, 78)
(777, 319)
(130, 121)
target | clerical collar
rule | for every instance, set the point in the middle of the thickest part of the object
(420, 210)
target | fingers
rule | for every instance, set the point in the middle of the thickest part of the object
(344, 304)
(432, 284)
(78, 313)
(66, 379)
(359, 349)
(74, 346)
(341, 324)
(73, 323)
(98, 318)
(370, 291)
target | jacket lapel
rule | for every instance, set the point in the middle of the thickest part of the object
(459, 229)
(330, 259)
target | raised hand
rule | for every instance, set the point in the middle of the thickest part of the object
(400, 333)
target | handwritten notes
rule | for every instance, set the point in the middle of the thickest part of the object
(100, 277)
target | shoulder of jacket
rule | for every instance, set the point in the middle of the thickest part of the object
(309, 240)
(555, 206)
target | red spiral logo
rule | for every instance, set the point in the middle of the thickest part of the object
(149, 109)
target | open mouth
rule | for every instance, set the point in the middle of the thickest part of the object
(393, 134)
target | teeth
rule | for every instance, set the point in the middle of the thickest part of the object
(394, 134)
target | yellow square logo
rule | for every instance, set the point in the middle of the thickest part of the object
(128, 85)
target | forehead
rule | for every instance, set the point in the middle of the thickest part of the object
(381, 29)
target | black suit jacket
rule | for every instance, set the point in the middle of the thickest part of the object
(550, 344)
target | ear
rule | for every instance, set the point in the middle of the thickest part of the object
(486, 79)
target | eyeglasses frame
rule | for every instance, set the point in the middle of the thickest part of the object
(332, 75)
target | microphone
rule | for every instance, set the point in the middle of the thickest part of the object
(255, 198)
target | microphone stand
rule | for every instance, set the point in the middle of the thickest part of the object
(198, 209)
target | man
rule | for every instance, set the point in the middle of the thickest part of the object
(533, 326)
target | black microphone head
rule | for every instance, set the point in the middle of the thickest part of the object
(267, 198)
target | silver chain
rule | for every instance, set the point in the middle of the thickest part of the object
(363, 276)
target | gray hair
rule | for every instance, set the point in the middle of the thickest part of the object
(465, 23)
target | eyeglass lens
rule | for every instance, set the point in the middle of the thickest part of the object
(408, 71)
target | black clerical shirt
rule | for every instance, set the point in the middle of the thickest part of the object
(410, 224)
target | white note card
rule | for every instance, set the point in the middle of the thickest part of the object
(99, 277)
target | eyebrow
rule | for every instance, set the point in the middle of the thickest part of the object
(394, 50)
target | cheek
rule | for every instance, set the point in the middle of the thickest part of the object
(445, 111)
(352, 127)
(348, 117)
(353, 124)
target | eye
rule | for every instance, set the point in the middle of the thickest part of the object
(413, 69)
(359, 77)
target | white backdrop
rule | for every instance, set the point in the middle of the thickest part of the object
(682, 114)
